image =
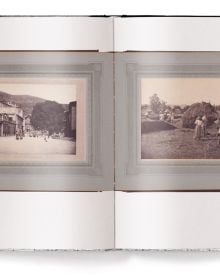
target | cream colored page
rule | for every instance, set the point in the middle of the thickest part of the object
(166, 34)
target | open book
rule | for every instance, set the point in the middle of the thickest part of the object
(109, 133)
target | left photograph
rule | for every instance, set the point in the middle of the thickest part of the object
(56, 122)
(38, 116)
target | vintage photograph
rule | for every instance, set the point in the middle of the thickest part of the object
(180, 118)
(38, 117)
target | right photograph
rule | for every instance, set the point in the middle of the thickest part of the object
(180, 117)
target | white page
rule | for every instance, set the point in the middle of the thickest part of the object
(162, 219)
(62, 218)
(167, 34)
(56, 220)
(56, 33)
(167, 220)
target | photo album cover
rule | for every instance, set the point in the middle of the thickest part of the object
(109, 133)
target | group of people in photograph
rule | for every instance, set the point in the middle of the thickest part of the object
(201, 128)
(167, 116)
(20, 134)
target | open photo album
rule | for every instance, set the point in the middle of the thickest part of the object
(109, 133)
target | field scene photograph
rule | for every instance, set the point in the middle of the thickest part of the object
(180, 118)
(37, 117)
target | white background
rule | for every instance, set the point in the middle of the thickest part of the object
(109, 265)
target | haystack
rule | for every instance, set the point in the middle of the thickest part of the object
(196, 110)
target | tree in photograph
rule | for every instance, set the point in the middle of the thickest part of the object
(49, 116)
(163, 106)
(155, 103)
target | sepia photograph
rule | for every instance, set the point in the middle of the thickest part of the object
(180, 118)
(38, 117)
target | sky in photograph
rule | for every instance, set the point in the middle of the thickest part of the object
(181, 91)
(61, 90)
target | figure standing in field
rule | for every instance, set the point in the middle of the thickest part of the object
(218, 135)
(162, 116)
(172, 117)
(198, 128)
(204, 126)
(217, 123)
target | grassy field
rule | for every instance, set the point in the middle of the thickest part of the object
(179, 144)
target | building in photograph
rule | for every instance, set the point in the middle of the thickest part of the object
(12, 114)
(70, 121)
(27, 123)
(7, 125)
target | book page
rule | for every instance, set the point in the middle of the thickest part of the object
(167, 91)
(56, 33)
(56, 220)
(56, 133)
(166, 33)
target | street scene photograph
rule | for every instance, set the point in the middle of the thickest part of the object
(180, 118)
(37, 117)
